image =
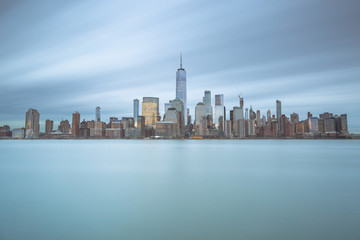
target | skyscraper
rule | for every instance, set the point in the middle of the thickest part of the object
(207, 103)
(278, 115)
(97, 112)
(219, 108)
(150, 110)
(49, 124)
(32, 126)
(181, 86)
(136, 111)
(75, 130)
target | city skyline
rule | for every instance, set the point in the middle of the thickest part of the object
(60, 58)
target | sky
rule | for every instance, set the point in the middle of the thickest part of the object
(64, 56)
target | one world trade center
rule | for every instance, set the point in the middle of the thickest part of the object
(181, 87)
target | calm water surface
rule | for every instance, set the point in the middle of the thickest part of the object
(210, 189)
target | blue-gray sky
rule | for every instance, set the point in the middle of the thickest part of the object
(64, 56)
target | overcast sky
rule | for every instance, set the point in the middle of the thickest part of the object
(64, 56)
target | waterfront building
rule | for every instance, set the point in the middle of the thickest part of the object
(84, 130)
(219, 108)
(246, 113)
(181, 86)
(32, 126)
(49, 125)
(5, 131)
(329, 125)
(313, 125)
(166, 129)
(75, 130)
(99, 129)
(18, 133)
(150, 110)
(227, 129)
(321, 125)
(344, 125)
(64, 126)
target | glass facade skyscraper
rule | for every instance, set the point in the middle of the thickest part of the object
(181, 86)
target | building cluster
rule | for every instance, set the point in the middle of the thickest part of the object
(176, 122)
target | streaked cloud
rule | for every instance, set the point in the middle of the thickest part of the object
(65, 56)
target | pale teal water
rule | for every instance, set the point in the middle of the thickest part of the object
(253, 189)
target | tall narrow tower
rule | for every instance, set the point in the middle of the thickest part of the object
(97, 111)
(181, 86)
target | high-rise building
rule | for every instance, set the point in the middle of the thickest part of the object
(150, 110)
(32, 126)
(258, 119)
(207, 103)
(136, 111)
(97, 112)
(49, 125)
(181, 86)
(268, 114)
(238, 122)
(200, 112)
(313, 125)
(278, 114)
(75, 130)
(219, 109)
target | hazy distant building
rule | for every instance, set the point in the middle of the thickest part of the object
(32, 126)
(219, 108)
(181, 86)
(49, 125)
(75, 130)
(150, 110)
(136, 111)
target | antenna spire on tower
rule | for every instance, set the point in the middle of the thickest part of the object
(180, 60)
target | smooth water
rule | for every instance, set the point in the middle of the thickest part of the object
(197, 189)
